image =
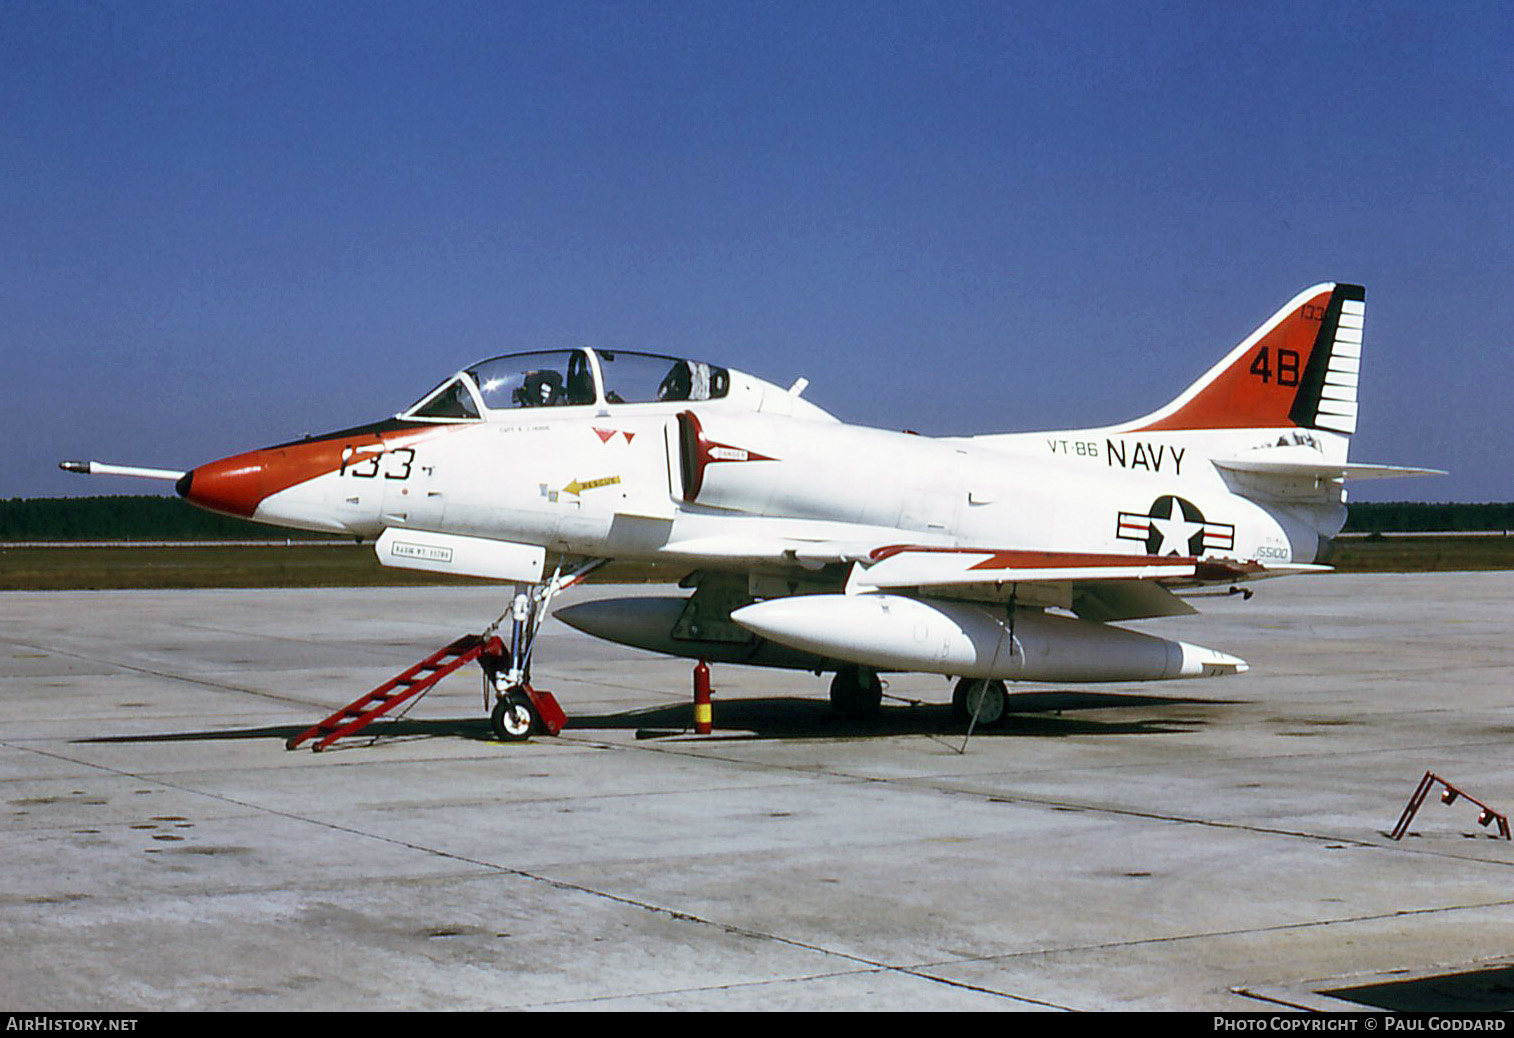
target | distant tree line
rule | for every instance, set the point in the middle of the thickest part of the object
(134, 518)
(1420, 517)
(153, 518)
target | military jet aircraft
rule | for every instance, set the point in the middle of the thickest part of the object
(813, 544)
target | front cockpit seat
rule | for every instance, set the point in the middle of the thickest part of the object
(539, 389)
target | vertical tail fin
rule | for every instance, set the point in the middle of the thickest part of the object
(1298, 370)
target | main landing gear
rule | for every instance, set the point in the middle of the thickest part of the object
(980, 703)
(518, 709)
(857, 693)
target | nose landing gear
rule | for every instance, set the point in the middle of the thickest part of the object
(518, 709)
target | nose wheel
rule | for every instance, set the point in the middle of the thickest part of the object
(514, 717)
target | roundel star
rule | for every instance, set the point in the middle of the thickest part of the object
(1177, 531)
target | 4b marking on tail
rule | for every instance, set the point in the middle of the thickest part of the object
(1298, 370)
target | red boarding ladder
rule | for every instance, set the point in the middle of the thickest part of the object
(402, 688)
(1486, 818)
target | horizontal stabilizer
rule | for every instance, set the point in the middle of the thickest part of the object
(1282, 462)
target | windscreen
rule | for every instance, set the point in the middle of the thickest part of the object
(452, 400)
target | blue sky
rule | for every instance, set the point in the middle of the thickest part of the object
(225, 225)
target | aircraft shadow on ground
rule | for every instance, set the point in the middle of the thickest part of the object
(1475, 991)
(1044, 714)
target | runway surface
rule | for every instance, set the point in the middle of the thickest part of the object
(1216, 844)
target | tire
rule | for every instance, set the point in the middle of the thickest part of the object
(856, 694)
(988, 700)
(513, 718)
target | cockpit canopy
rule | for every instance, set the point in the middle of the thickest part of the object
(562, 378)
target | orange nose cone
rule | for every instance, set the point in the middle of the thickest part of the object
(233, 485)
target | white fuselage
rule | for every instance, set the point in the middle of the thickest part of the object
(614, 481)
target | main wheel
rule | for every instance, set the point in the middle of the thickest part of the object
(856, 693)
(513, 718)
(987, 701)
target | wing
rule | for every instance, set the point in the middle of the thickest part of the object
(1100, 587)
(1093, 586)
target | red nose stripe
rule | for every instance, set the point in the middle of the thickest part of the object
(237, 485)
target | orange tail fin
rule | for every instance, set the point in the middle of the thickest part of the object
(1298, 370)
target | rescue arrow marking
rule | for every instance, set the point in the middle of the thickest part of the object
(576, 488)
